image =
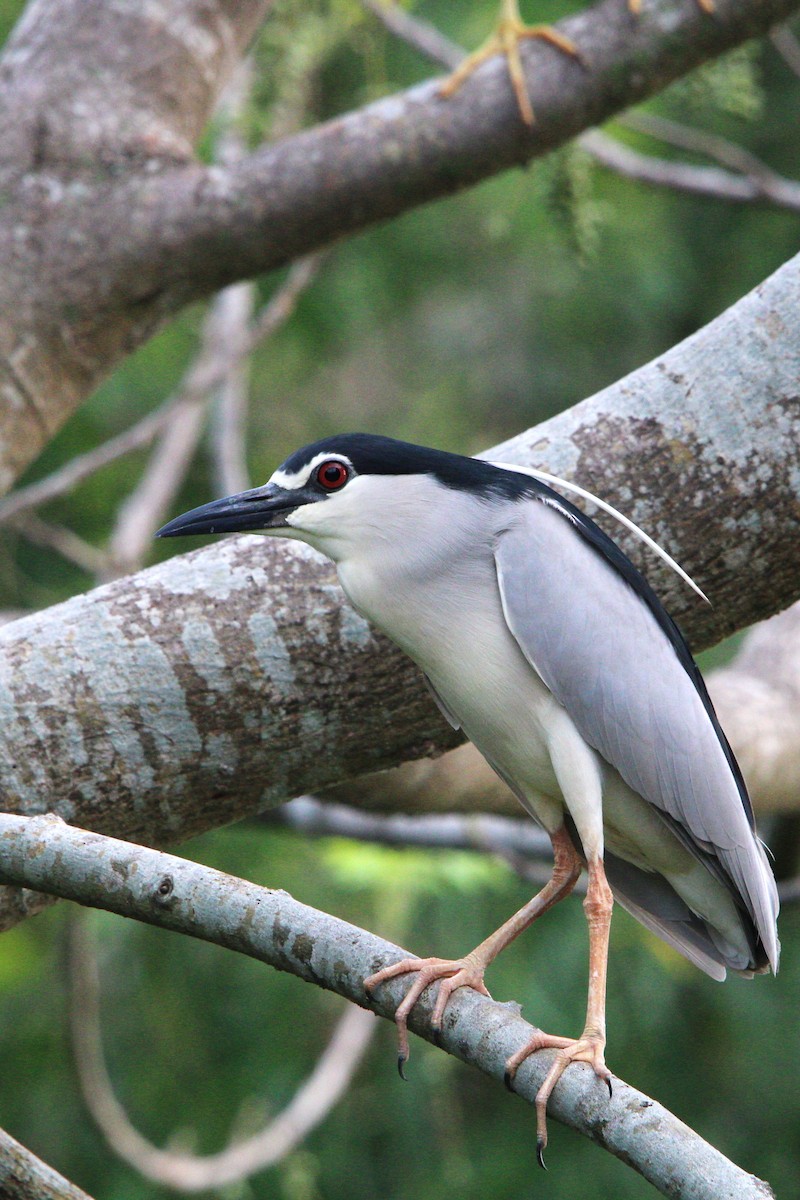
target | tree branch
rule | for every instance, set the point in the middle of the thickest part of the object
(274, 928)
(415, 147)
(116, 256)
(228, 680)
(746, 180)
(23, 1176)
(688, 177)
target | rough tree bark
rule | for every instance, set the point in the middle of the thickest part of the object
(235, 677)
(109, 225)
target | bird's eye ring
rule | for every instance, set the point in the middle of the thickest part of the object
(332, 475)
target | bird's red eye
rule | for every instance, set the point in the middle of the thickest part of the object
(332, 475)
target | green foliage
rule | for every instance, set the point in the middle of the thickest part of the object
(458, 324)
(730, 85)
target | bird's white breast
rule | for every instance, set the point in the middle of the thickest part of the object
(436, 595)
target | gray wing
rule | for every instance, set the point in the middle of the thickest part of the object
(604, 647)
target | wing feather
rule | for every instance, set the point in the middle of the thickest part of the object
(599, 638)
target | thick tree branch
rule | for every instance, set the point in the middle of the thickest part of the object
(231, 679)
(116, 256)
(416, 147)
(271, 926)
(92, 96)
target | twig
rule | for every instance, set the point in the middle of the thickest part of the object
(417, 33)
(77, 469)
(161, 889)
(61, 539)
(788, 46)
(23, 1176)
(686, 177)
(188, 1172)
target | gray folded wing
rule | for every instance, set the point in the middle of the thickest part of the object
(600, 640)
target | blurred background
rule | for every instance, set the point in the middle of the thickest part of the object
(457, 325)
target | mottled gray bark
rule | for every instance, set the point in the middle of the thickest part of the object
(273, 927)
(109, 225)
(235, 677)
(23, 1176)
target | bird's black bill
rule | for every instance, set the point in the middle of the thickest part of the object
(262, 508)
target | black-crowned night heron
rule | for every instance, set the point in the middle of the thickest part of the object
(541, 640)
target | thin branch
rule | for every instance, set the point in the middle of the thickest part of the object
(63, 480)
(686, 177)
(416, 32)
(698, 141)
(161, 889)
(23, 1176)
(229, 428)
(523, 846)
(189, 1172)
(229, 425)
(433, 831)
(282, 304)
(66, 543)
(788, 46)
(145, 508)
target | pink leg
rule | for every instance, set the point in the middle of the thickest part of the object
(469, 971)
(590, 1046)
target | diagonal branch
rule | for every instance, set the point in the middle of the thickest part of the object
(369, 165)
(746, 178)
(23, 1176)
(272, 927)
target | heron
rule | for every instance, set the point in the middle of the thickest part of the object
(543, 643)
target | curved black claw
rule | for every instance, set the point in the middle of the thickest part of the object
(610, 1089)
(402, 1059)
(508, 1080)
(540, 1145)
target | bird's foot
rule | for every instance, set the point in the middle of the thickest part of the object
(453, 973)
(508, 33)
(588, 1048)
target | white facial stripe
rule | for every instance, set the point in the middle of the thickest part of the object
(291, 480)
